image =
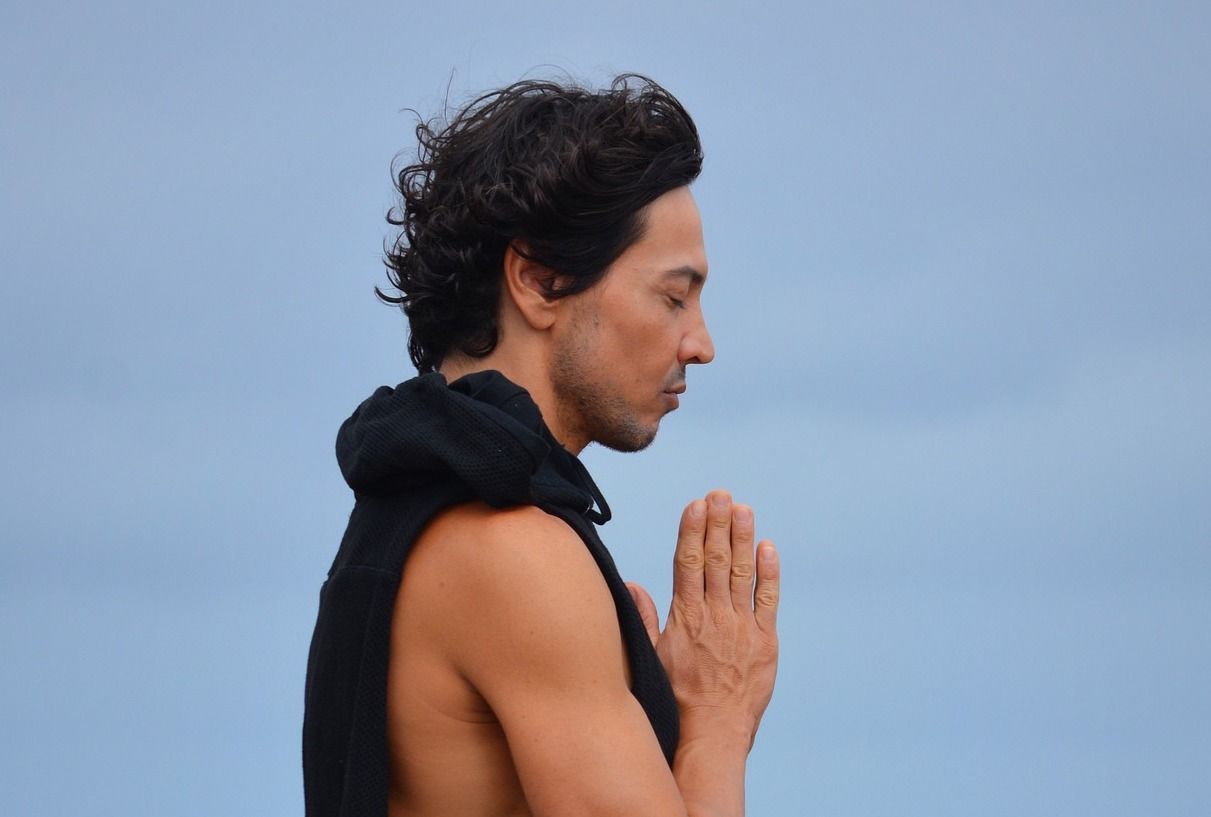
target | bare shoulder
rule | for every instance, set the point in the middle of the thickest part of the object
(477, 523)
(474, 543)
(516, 578)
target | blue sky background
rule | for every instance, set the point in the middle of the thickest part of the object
(960, 293)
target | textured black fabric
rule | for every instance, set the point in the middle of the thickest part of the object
(408, 453)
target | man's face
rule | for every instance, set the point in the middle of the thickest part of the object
(621, 358)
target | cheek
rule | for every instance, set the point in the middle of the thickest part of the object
(640, 345)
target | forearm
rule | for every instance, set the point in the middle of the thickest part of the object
(709, 769)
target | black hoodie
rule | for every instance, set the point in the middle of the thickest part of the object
(408, 453)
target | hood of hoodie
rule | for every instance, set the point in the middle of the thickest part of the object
(482, 430)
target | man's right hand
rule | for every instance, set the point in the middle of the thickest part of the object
(720, 643)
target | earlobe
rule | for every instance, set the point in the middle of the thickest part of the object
(526, 284)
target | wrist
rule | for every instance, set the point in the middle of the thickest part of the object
(717, 726)
(709, 768)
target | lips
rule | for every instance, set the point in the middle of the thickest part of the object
(678, 385)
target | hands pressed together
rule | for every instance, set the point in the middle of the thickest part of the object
(720, 643)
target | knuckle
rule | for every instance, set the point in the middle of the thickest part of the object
(718, 558)
(742, 572)
(767, 597)
(690, 560)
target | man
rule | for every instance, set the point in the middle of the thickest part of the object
(551, 264)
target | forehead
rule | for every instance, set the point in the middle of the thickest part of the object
(671, 243)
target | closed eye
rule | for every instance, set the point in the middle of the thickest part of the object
(677, 302)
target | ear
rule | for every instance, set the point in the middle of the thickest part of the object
(525, 283)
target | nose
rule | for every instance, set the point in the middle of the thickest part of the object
(696, 345)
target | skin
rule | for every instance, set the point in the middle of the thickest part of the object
(506, 654)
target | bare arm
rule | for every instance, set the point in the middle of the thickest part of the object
(528, 620)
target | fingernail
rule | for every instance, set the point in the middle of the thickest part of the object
(744, 515)
(697, 508)
(766, 554)
(720, 500)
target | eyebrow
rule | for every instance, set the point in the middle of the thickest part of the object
(693, 274)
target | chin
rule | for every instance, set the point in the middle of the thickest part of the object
(628, 437)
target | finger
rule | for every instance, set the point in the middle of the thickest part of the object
(765, 598)
(742, 568)
(647, 611)
(688, 559)
(717, 545)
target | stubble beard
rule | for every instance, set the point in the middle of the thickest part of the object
(587, 403)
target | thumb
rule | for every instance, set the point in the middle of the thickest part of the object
(647, 611)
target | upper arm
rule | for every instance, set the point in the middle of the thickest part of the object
(531, 624)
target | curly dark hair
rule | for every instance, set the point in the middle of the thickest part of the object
(559, 172)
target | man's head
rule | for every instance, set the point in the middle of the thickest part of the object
(546, 201)
(557, 171)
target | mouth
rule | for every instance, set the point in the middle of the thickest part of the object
(670, 395)
(676, 387)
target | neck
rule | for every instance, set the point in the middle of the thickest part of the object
(532, 376)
